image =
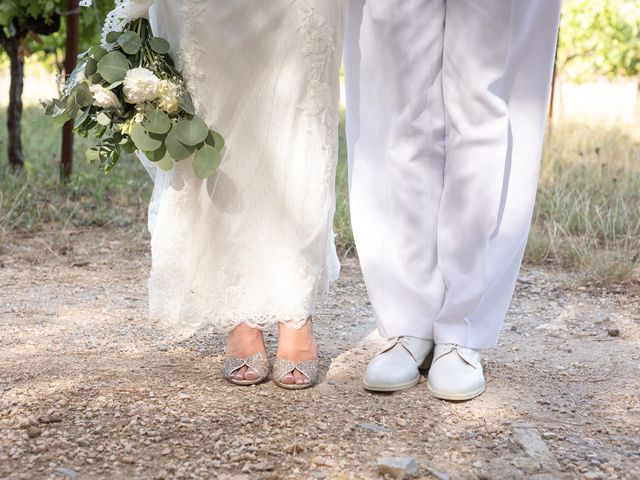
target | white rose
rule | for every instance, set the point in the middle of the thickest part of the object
(104, 98)
(140, 85)
(168, 96)
(133, 9)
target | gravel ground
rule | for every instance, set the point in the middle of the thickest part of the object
(89, 388)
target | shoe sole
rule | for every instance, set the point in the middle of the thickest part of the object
(391, 388)
(460, 397)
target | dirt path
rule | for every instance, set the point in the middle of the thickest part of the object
(90, 389)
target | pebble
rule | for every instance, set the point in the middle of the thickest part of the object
(374, 428)
(398, 467)
(34, 432)
(401, 422)
(613, 332)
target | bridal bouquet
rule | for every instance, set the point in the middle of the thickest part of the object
(128, 94)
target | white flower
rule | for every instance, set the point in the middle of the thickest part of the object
(168, 96)
(104, 98)
(133, 9)
(138, 117)
(140, 85)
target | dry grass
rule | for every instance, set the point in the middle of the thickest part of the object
(587, 217)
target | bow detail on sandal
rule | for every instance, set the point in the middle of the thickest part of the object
(283, 366)
(258, 362)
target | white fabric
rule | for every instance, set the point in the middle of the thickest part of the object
(446, 103)
(253, 243)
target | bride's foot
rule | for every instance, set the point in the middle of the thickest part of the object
(245, 343)
(297, 347)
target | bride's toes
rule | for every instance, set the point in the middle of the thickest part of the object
(288, 379)
(300, 379)
(251, 374)
(240, 374)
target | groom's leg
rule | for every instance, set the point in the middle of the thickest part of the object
(395, 121)
(498, 57)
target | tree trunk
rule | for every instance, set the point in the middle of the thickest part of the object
(14, 112)
(70, 61)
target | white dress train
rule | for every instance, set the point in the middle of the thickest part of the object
(254, 243)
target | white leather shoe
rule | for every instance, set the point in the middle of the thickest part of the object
(397, 365)
(456, 373)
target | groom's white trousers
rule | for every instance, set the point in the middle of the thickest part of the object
(446, 102)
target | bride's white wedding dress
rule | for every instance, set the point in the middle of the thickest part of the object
(252, 244)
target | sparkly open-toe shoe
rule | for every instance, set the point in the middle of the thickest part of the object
(258, 362)
(282, 367)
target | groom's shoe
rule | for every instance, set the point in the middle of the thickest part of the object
(397, 365)
(456, 373)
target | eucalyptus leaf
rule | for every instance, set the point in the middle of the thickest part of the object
(186, 103)
(130, 43)
(92, 155)
(112, 37)
(177, 149)
(60, 119)
(166, 163)
(157, 155)
(206, 161)
(157, 121)
(81, 118)
(97, 52)
(90, 68)
(83, 95)
(129, 146)
(215, 140)
(191, 131)
(159, 45)
(113, 67)
(103, 119)
(142, 139)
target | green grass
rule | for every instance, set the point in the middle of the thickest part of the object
(34, 200)
(587, 217)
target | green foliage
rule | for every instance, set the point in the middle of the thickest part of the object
(16, 14)
(599, 38)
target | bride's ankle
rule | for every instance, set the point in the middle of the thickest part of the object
(244, 340)
(297, 343)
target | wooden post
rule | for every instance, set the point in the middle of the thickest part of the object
(70, 62)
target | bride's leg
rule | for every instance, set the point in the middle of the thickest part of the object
(242, 342)
(297, 345)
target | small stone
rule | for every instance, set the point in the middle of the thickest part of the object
(294, 449)
(72, 474)
(128, 460)
(166, 451)
(439, 475)
(401, 422)
(82, 443)
(34, 432)
(319, 475)
(613, 332)
(549, 435)
(261, 467)
(398, 467)
(526, 464)
(180, 453)
(162, 348)
(374, 428)
(322, 426)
